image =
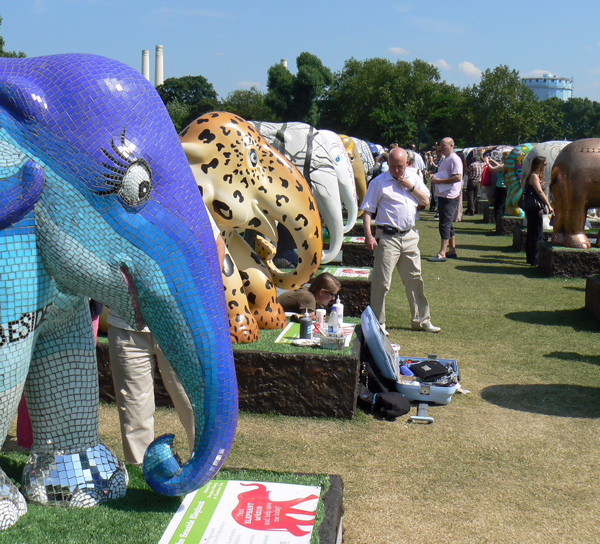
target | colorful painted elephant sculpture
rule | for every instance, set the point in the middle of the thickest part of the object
(247, 184)
(98, 201)
(303, 145)
(513, 167)
(575, 188)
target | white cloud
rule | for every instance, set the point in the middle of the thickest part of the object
(398, 51)
(442, 64)
(536, 73)
(469, 69)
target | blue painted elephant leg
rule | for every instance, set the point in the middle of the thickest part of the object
(17, 338)
(66, 447)
(12, 503)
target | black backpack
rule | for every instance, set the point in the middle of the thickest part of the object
(377, 395)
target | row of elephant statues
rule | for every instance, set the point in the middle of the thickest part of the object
(271, 178)
(573, 172)
(99, 201)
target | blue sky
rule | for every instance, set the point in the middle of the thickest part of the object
(234, 43)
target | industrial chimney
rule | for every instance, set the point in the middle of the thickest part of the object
(159, 76)
(284, 63)
(146, 64)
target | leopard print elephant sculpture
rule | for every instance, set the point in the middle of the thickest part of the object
(247, 184)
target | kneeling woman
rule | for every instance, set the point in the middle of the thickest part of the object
(322, 291)
(535, 214)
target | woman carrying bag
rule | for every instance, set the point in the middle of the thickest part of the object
(535, 204)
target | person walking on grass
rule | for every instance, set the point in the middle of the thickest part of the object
(395, 196)
(448, 189)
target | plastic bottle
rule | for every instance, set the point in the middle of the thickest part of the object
(306, 326)
(339, 308)
(333, 324)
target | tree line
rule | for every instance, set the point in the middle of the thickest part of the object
(405, 102)
(383, 102)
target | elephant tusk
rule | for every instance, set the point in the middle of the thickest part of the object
(263, 224)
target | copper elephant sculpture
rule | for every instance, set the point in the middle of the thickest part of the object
(575, 188)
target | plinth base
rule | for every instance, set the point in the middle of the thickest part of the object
(592, 296)
(319, 383)
(568, 262)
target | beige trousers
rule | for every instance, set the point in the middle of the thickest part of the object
(399, 251)
(132, 359)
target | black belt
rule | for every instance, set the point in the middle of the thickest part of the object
(392, 230)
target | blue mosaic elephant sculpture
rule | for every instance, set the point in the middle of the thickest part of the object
(97, 200)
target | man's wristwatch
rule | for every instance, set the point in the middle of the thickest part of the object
(411, 190)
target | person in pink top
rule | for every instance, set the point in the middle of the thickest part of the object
(448, 189)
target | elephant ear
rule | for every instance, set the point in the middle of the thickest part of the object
(21, 190)
(196, 154)
(22, 98)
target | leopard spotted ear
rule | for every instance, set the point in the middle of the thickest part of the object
(195, 153)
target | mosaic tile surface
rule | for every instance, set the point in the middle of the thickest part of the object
(97, 200)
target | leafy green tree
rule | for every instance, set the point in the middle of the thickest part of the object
(249, 104)
(551, 120)
(449, 115)
(193, 94)
(180, 114)
(581, 118)
(504, 109)
(295, 97)
(361, 101)
(10, 54)
(189, 90)
(383, 101)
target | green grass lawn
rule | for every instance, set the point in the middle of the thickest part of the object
(513, 461)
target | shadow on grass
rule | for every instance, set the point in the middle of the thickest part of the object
(144, 500)
(578, 319)
(140, 498)
(479, 247)
(574, 356)
(501, 268)
(548, 399)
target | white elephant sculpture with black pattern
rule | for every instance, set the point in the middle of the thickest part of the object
(314, 157)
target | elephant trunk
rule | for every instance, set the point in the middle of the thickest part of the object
(186, 313)
(305, 230)
(348, 196)
(331, 210)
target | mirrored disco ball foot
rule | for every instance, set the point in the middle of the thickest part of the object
(12, 503)
(80, 480)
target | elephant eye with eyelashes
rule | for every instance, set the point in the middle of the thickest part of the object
(136, 184)
(127, 176)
